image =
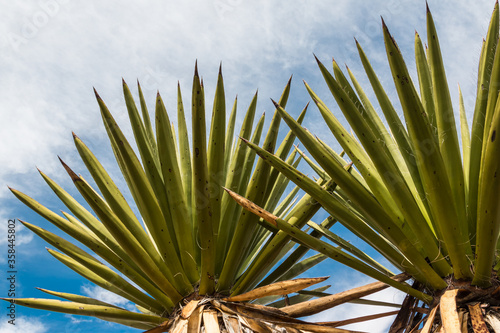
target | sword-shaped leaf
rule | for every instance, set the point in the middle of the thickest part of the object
(478, 121)
(184, 150)
(447, 130)
(488, 218)
(201, 194)
(235, 173)
(148, 129)
(349, 247)
(425, 84)
(72, 229)
(356, 153)
(150, 262)
(257, 188)
(114, 198)
(103, 312)
(77, 298)
(287, 143)
(177, 205)
(145, 199)
(409, 172)
(287, 203)
(106, 278)
(465, 134)
(216, 152)
(281, 184)
(247, 222)
(303, 266)
(230, 137)
(430, 162)
(397, 128)
(82, 214)
(100, 248)
(148, 151)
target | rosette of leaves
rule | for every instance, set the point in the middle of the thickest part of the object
(194, 261)
(423, 196)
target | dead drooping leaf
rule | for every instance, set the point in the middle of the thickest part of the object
(232, 323)
(210, 321)
(477, 318)
(463, 315)
(254, 311)
(493, 318)
(358, 319)
(323, 303)
(449, 314)
(251, 207)
(194, 322)
(189, 308)
(269, 316)
(430, 319)
(161, 328)
(407, 312)
(180, 326)
(277, 289)
(254, 325)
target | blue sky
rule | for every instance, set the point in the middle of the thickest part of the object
(54, 51)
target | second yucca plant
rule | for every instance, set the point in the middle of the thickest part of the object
(425, 202)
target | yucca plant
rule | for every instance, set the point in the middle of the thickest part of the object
(194, 261)
(425, 200)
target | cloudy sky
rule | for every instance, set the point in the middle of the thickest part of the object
(53, 52)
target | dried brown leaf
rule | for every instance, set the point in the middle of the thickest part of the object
(180, 326)
(210, 321)
(317, 305)
(449, 314)
(161, 328)
(277, 289)
(358, 319)
(477, 318)
(189, 308)
(430, 320)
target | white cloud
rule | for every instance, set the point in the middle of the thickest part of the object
(106, 296)
(22, 235)
(66, 47)
(350, 310)
(24, 324)
(78, 319)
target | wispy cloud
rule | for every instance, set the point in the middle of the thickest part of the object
(351, 310)
(107, 296)
(78, 319)
(54, 51)
(22, 235)
(24, 324)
